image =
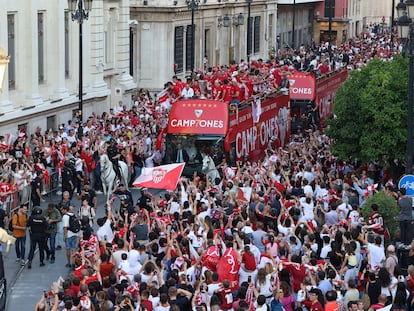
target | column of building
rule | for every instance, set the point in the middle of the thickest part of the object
(29, 71)
(5, 103)
(56, 69)
(122, 47)
(99, 87)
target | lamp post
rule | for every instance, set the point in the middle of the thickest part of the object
(192, 5)
(278, 42)
(80, 12)
(293, 23)
(406, 33)
(249, 31)
(392, 22)
(4, 61)
(330, 25)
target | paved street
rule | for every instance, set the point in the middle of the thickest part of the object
(26, 286)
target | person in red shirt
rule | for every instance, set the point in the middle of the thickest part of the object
(331, 304)
(248, 261)
(227, 91)
(297, 272)
(145, 301)
(106, 267)
(324, 67)
(178, 86)
(314, 304)
(217, 90)
(226, 295)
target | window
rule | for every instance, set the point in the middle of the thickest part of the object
(40, 47)
(249, 37)
(51, 122)
(257, 34)
(330, 8)
(310, 16)
(207, 43)
(189, 48)
(67, 16)
(270, 28)
(109, 38)
(11, 50)
(179, 48)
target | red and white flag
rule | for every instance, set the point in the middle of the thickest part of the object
(370, 188)
(164, 99)
(244, 194)
(160, 177)
(256, 109)
(228, 268)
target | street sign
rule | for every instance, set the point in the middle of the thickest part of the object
(407, 182)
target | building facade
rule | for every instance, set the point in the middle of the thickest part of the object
(162, 36)
(130, 44)
(41, 86)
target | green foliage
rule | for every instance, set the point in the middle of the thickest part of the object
(370, 112)
(387, 207)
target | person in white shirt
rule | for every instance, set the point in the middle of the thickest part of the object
(308, 209)
(105, 233)
(70, 238)
(376, 253)
(187, 92)
(326, 248)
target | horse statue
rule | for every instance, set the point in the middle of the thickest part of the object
(209, 168)
(108, 174)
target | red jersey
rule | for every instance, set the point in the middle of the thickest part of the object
(298, 273)
(228, 92)
(249, 261)
(226, 298)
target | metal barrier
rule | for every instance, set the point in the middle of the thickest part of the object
(53, 185)
(12, 201)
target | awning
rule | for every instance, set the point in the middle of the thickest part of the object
(302, 86)
(198, 116)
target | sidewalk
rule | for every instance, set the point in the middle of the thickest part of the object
(25, 287)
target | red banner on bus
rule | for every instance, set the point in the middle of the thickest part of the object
(273, 125)
(302, 86)
(325, 92)
(198, 116)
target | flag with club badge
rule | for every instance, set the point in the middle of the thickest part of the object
(160, 177)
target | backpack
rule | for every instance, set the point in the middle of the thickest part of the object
(74, 224)
(11, 221)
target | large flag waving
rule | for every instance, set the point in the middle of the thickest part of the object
(160, 177)
(228, 268)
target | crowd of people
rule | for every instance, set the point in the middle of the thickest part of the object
(298, 242)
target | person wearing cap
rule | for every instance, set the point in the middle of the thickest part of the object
(37, 224)
(37, 186)
(114, 155)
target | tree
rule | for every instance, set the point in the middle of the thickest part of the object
(387, 207)
(370, 120)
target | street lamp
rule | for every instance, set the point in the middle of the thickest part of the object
(406, 33)
(238, 20)
(4, 61)
(293, 24)
(80, 12)
(192, 5)
(249, 32)
(330, 25)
